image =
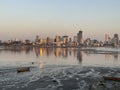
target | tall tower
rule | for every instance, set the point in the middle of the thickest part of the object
(37, 38)
(107, 38)
(79, 37)
(116, 39)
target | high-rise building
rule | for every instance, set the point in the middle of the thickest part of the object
(107, 39)
(75, 39)
(65, 39)
(116, 40)
(49, 40)
(79, 37)
(37, 38)
(70, 40)
(57, 39)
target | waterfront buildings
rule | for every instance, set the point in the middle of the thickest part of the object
(66, 41)
(87, 42)
(79, 37)
(112, 41)
(37, 39)
(116, 40)
(107, 39)
(57, 39)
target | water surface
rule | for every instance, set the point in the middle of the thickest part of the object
(59, 68)
(59, 56)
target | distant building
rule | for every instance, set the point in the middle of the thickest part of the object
(65, 39)
(87, 42)
(49, 40)
(27, 41)
(37, 39)
(42, 41)
(70, 40)
(79, 37)
(116, 40)
(107, 39)
(95, 43)
(57, 39)
(75, 39)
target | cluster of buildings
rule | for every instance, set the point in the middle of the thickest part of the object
(61, 41)
(77, 41)
(112, 41)
(66, 41)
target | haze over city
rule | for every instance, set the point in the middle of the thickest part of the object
(24, 19)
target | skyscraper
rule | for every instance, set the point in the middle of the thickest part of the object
(107, 39)
(79, 37)
(37, 38)
(75, 39)
(116, 40)
(65, 39)
(57, 39)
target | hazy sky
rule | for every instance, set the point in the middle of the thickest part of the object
(25, 19)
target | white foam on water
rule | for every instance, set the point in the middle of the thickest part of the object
(83, 76)
(82, 85)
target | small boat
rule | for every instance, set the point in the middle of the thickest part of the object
(112, 78)
(23, 69)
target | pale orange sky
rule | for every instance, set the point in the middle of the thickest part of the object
(25, 19)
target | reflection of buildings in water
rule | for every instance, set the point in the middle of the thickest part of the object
(116, 56)
(49, 51)
(37, 51)
(61, 51)
(79, 56)
(44, 51)
(19, 49)
(107, 56)
(57, 52)
(88, 53)
(27, 50)
(75, 52)
(70, 51)
(64, 52)
(41, 52)
(41, 65)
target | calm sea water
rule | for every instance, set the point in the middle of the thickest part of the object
(43, 57)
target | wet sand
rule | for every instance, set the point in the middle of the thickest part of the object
(60, 78)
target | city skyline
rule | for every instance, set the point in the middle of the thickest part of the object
(65, 41)
(77, 37)
(25, 19)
